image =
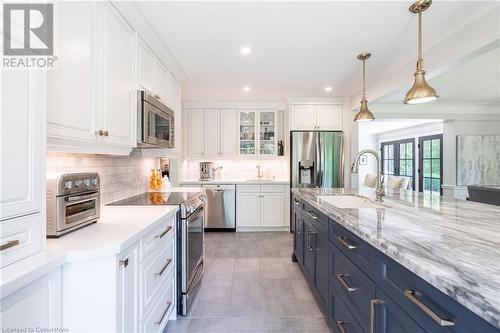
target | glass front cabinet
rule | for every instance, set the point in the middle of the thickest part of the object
(257, 132)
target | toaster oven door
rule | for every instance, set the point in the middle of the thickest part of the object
(76, 209)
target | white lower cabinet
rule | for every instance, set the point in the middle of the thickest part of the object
(37, 305)
(129, 292)
(261, 207)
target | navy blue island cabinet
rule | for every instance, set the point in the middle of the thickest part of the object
(361, 290)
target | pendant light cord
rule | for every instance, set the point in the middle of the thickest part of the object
(420, 60)
(364, 80)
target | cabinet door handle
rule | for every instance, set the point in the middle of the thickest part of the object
(163, 233)
(106, 133)
(99, 132)
(345, 243)
(340, 325)
(163, 314)
(340, 278)
(373, 302)
(312, 215)
(9, 244)
(162, 270)
(309, 233)
(123, 262)
(410, 294)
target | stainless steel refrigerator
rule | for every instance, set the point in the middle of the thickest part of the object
(316, 159)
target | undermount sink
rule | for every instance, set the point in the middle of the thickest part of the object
(350, 201)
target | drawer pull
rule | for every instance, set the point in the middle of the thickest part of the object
(373, 302)
(123, 262)
(345, 243)
(340, 325)
(164, 313)
(312, 215)
(410, 294)
(163, 233)
(340, 278)
(309, 241)
(169, 260)
(9, 244)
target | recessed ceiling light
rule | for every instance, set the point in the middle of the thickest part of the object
(246, 50)
(328, 89)
(246, 88)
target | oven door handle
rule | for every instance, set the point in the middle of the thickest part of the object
(80, 198)
(193, 217)
(200, 268)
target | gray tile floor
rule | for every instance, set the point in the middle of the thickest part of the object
(251, 285)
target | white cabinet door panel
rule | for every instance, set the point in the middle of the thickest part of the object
(329, 117)
(228, 132)
(212, 131)
(164, 83)
(248, 209)
(128, 291)
(196, 137)
(272, 209)
(119, 91)
(303, 117)
(147, 67)
(37, 305)
(71, 104)
(22, 142)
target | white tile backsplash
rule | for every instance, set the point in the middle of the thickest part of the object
(121, 176)
(236, 169)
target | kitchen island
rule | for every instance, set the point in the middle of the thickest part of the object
(436, 258)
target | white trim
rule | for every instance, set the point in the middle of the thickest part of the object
(261, 229)
(274, 106)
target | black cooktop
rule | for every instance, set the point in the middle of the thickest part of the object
(155, 198)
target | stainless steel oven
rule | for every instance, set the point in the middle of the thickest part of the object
(156, 125)
(73, 201)
(192, 242)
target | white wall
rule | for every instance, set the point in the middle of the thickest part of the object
(367, 141)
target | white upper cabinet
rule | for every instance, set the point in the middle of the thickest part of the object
(316, 117)
(196, 144)
(92, 95)
(329, 117)
(146, 67)
(164, 84)
(212, 131)
(228, 132)
(72, 87)
(118, 91)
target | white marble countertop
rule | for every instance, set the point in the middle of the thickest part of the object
(235, 181)
(452, 244)
(118, 228)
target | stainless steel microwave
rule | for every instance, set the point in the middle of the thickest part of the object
(155, 122)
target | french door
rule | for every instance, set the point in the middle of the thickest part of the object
(430, 163)
(398, 159)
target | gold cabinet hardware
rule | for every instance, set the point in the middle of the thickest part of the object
(164, 313)
(162, 270)
(340, 278)
(9, 244)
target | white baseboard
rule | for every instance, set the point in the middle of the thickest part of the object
(261, 229)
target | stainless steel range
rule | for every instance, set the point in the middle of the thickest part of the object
(190, 239)
(73, 201)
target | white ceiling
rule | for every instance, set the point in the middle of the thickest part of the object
(474, 81)
(379, 126)
(298, 48)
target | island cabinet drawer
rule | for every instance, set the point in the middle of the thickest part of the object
(158, 236)
(429, 307)
(353, 286)
(316, 217)
(339, 317)
(156, 269)
(296, 203)
(356, 249)
(156, 318)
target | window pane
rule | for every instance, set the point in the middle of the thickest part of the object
(436, 168)
(402, 150)
(427, 149)
(391, 152)
(409, 151)
(402, 167)
(427, 168)
(386, 151)
(427, 184)
(391, 167)
(436, 149)
(436, 185)
(409, 168)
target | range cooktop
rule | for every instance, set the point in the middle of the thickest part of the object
(155, 198)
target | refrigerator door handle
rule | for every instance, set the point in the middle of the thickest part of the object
(319, 178)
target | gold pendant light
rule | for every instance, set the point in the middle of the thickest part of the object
(421, 92)
(364, 114)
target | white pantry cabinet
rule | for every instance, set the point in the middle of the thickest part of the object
(38, 304)
(22, 167)
(316, 117)
(261, 207)
(92, 94)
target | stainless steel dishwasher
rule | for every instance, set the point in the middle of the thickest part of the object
(220, 207)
